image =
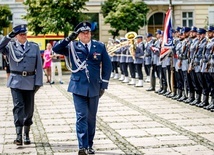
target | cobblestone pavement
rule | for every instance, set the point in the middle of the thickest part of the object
(130, 121)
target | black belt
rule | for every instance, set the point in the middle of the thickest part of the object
(23, 73)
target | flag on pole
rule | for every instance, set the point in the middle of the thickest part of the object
(167, 42)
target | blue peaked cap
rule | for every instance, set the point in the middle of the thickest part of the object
(83, 26)
(201, 31)
(178, 29)
(185, 29)
(210, 28)
(20, 28)
(158, 31)
(193, 29)
(149, 35)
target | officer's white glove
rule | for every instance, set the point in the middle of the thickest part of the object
(102, 91)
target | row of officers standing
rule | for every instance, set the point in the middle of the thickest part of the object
(185, 74)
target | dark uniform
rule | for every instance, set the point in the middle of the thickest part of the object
(91, 69)
(25, 78)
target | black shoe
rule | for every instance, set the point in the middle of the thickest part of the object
(91, 151)
(171, 95)
(167, 93)
(18, 140)
(52, 82)
(210, 107)
(82, 152)
(150, 89)
(189, 100)
(182, 98)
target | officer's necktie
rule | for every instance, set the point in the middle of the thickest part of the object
(86, 47)
(23, 47)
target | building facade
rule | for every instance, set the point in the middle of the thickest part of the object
(185, 13)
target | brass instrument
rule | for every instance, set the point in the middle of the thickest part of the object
(131, 38)
(111, 49)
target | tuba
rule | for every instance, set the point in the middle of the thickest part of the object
(131, 38)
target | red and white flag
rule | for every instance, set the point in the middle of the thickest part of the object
(167, 42)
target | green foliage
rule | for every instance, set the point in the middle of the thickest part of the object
(5, 13)
(53, 16)
(125, 15)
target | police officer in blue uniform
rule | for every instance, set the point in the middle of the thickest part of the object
(25, 78)
(91, 70)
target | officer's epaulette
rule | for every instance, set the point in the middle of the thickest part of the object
(33, 43)
(98, 41)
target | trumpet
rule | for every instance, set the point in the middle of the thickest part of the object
(111, 49)
(131, 36)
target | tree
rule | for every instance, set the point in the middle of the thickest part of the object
(53, 16)
(5, 13)
(126, 15)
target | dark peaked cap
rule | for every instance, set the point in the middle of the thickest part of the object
(83, 26)
(20, 28)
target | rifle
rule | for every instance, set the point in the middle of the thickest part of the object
(194, 55)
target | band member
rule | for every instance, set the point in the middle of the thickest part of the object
(26, 77)
(114, 60)
(211, 71)
(148, 58)
(139, 59)
(91, 70)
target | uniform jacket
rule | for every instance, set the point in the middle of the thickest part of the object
(206, 56)
(31, 62)
(139, 53)
(198, 56)
(178, 49)
(156, 53)
(97, 57)
(148, 53)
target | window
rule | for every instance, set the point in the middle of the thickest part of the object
(211, 15)
(187, 18)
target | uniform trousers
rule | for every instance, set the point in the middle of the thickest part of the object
(114, 67)
(212, 86)
(175, 81)
(185, 81)
(180, 80)
(86, 110)
(209, 83)
(163, 76)
(131, 69)
(23, 102)
(139, 71)
(121, 68)
(202, 83)
(147, 69)
(125, 68)
(195, 82)
(168, 71)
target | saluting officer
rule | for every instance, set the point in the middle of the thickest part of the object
(25, 78)
(91, 70)
(211, 71)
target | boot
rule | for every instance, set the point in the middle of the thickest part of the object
(126, 80)
(132, 82)
(183, 97)
(211, 105)
(172, 94)
(139, 84)
(122, 77)
(116, 76)
(26, 135)
(159, 90)
(179, 94)
(163, 91)
(197, 100)
(18, 140)
(190, 99)
(204, 102)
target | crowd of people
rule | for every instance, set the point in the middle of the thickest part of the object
(185, 74)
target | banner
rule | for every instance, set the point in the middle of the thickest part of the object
(167, 42)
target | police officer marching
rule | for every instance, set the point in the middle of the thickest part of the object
(91, 70)
(25, 79)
